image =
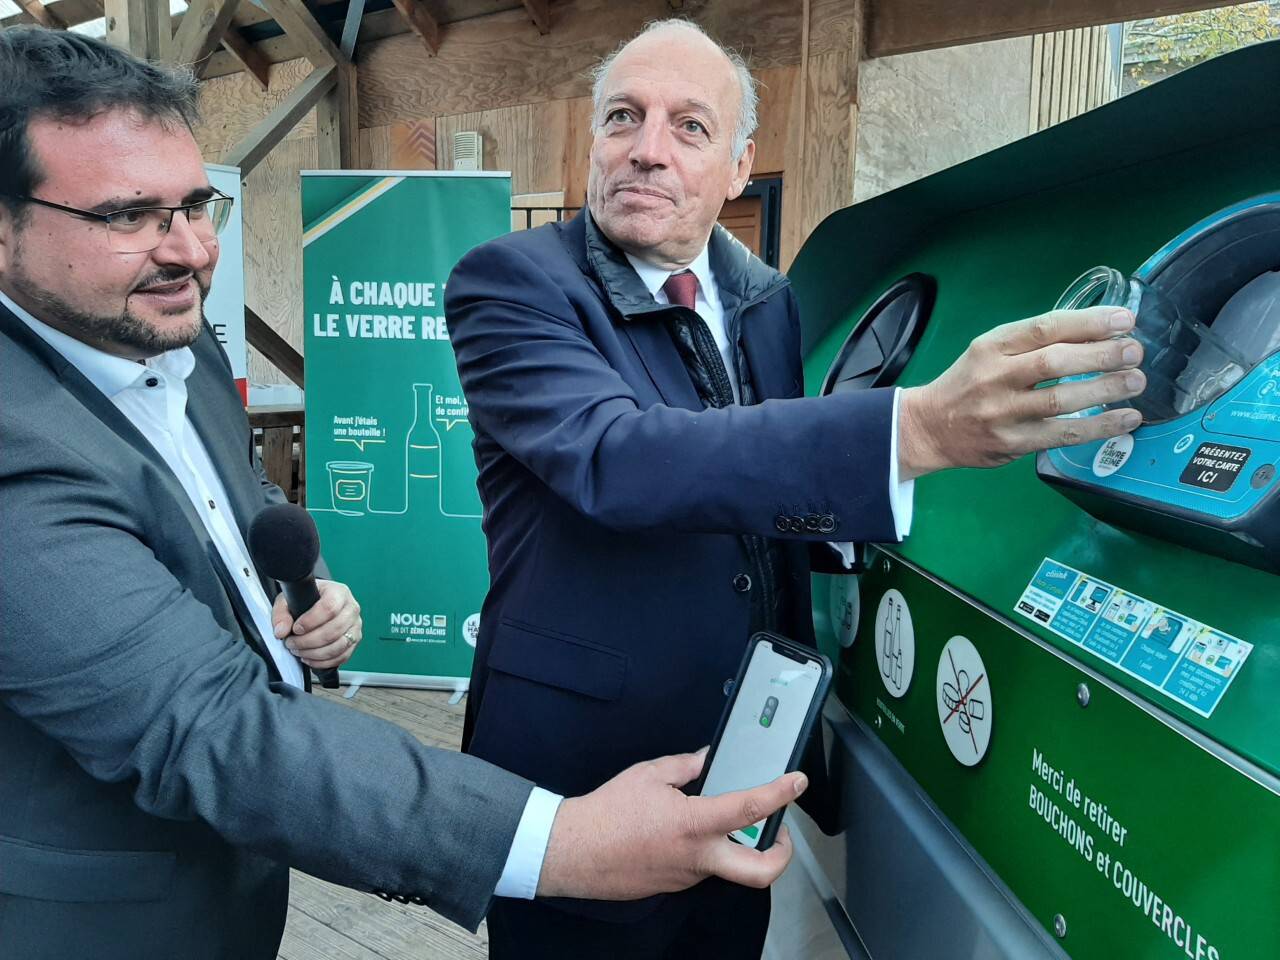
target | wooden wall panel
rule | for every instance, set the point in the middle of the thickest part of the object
(577, 151)
(779, 119)
(413, 145)
(530, 140)
(1070, 73)
(273, 245)
(375, 149)
(499, 61)
(230, 107)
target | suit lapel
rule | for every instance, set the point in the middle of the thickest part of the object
(661, 360)
(219, 419)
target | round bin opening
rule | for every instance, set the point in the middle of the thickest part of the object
(1207, 307)
(883, 340)
(1224, 273)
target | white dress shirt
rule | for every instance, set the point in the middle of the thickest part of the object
(153, 395)
(707, 305)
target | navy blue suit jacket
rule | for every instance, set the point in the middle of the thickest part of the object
(614, 504)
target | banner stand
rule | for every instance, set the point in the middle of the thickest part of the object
(391, 477)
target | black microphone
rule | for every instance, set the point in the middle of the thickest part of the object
(285, 544)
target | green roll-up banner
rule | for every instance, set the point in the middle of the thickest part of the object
(391, 479)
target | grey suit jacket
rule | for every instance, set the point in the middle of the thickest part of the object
(156, 780)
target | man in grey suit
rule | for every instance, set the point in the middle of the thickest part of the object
(162, 763)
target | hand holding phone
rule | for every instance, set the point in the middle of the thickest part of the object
(775, 703)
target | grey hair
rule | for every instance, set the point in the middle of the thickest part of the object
(746, 120)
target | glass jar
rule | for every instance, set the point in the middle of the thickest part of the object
(1186, 364)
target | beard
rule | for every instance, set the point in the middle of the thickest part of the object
(125, 329)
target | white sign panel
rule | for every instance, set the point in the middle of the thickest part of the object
(224, 306)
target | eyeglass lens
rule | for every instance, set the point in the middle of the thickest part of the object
(142, 230)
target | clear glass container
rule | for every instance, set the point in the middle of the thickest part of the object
(1187, 365)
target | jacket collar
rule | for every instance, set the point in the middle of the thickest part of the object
(742, 278)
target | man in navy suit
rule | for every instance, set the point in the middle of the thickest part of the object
(654, 480)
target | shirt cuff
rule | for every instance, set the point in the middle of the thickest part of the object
(845, 550)
(529, 846)
(901, 494)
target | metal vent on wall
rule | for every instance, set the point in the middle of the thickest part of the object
(468, 150)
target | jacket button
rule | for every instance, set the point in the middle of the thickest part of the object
(742, 583)
(782, 523)
(811, 523)
(797, 525)
(728, 686)
(826, 523)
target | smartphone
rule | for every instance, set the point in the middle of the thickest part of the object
(775, 702)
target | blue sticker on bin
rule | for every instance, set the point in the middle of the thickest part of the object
(1186, 660)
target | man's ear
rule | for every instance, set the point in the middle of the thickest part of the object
(8, 237)
(742, 171)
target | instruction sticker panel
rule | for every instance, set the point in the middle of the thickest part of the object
(1184, 659)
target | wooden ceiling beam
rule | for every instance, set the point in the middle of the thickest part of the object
(248, 56)
(351, 28)
(41, 14)
(540, 13)
(201, 32)
(906, 26)
(300, 26)
(421, 22)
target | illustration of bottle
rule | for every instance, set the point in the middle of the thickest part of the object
(890, 642)
(897, 652)
(423, 452)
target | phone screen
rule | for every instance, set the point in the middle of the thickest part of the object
(766, 719)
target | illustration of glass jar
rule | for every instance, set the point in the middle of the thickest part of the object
(423, 451)
(349, 482)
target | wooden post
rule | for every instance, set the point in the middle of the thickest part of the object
(337, 119)
(828, 105)
(139, 26)
(337, 114)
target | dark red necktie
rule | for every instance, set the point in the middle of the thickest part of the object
(681, 289)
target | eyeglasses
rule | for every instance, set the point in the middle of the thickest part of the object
(142, 229)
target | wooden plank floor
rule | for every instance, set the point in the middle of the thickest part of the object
(328, 922)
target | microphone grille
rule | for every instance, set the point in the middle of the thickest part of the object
(284, 542)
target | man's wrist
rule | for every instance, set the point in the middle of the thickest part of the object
(918, 454)
(555, 879)
(523, 869)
